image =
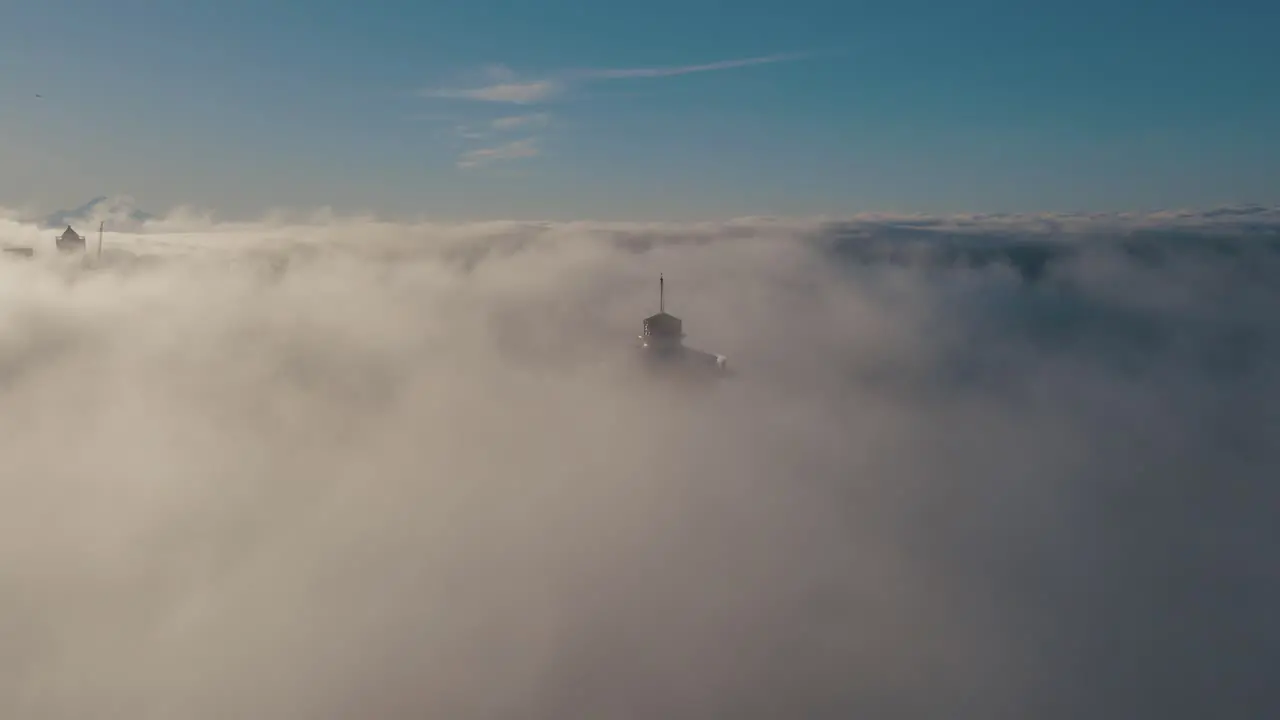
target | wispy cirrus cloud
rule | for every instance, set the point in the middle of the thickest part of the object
(515, 93)
(497, 127)
(504, 87)
(501, 85)
(514, 150)
(654, 72)
(513, 122)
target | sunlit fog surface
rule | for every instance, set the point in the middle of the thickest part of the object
(966, 467)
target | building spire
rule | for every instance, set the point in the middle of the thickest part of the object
(662, 300)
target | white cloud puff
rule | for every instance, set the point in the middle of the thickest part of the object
(329, 467)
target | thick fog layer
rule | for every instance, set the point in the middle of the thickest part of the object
(978, 467)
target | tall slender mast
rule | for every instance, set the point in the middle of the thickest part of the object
(662, 300)
(100, 224)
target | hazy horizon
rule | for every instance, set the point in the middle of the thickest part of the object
(115, 210)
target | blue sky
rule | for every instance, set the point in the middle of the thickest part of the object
(398, 107)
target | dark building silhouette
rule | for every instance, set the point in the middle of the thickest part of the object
(663, 332)
(70, 241)
(663, 341)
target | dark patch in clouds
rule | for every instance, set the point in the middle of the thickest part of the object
(970, 467)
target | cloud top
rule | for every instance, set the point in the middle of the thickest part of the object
(320, 466)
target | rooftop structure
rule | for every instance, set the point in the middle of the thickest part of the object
(663, 330)
(663, 340)
(70, 241)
